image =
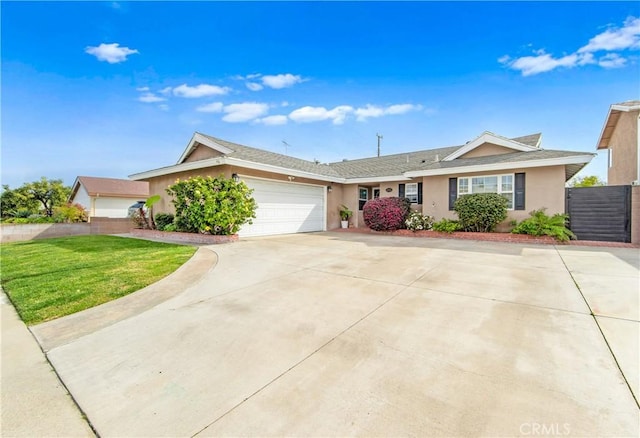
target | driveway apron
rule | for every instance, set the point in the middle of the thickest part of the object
(335, 334)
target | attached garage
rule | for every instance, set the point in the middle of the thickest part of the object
(285, 207)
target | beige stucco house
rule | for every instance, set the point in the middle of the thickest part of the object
(107, 197)
(296, 195)
(621, 138)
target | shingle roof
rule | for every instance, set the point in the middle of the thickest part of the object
(530, 140)
(248, 153)
(389, 165)
(386, 166)
(112, 187)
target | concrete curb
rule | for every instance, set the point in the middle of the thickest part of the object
(60, 331)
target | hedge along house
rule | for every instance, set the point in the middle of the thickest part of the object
(296, 195)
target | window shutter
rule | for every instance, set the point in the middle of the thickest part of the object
(420, 193)
(453, 192)
(401, 190)
(519, 198)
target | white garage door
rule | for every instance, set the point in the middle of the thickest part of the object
(285, 208)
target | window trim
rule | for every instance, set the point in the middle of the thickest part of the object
(360, 199)
(499, 191)
(406, 195)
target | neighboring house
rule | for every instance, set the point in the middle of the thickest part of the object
(107, 197)
(296, 195)
(621, 137)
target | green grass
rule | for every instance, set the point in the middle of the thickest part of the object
(50, 278)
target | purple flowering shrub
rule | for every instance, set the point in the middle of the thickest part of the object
(386, 214)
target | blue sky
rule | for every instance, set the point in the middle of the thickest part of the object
(115, 88)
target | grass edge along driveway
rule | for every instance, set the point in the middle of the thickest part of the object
(50, 278)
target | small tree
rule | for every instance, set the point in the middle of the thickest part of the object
(212, 205)
(16, 202)
(50, 193)
(70, 213)
(587, 181)
(481, 211)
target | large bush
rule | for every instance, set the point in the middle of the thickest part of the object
(480, 211)
(212, 205)
(540, 224)
(386, 214)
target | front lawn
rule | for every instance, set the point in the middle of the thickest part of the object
(50, 278)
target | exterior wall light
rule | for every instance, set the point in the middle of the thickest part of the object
(235, 177)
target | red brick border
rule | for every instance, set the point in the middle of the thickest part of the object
(491, 237)
(176, 237)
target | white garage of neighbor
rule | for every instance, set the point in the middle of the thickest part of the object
(285, 207)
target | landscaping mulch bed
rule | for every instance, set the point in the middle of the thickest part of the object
(491, 237)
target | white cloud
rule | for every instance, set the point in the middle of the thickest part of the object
(142, 89)
(281, 81)
(151, 98)
(613, 39)
(244, 112)
(111, 53)
(309, 114)
(214, 107)
(531, 65)
(626, 37)
(166, 91)
(612, 60)
(370, 111)
(201, 90)
(273, 120)
(254, 86)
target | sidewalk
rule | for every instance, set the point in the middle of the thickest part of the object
(34, 401)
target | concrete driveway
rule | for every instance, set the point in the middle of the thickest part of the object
(336, 334)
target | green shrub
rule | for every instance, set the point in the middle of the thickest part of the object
(480, 211)
(70, 213)
(416, 221)
(212, 205)
(446, 226)
(163, 220)
(540, 224)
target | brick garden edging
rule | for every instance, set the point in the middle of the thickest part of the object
(491, 237)
(176, 237)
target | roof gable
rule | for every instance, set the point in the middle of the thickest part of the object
(490, 137)
(611, 121)
(205, 140)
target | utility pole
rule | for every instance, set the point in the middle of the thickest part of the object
(379, 138)
(286, 146)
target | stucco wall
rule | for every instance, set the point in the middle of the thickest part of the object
(99, 225)
(113, 207)
(202, 153)
(544, 187)
(624, 149)
(82, 197)
(485, 150)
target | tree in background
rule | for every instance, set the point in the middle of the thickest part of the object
(587, 181)
(49, 193)
(31, 197)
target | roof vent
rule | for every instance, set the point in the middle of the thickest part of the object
(316, 161)
(344, 159)
(437, 158)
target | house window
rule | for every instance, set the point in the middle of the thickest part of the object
(500, 184)
(363, 196)
(411, 192)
